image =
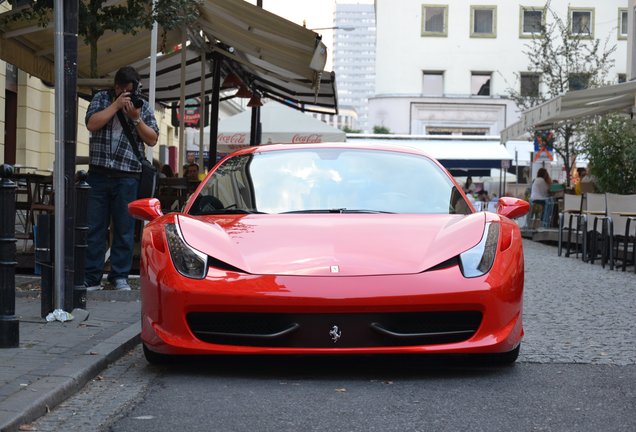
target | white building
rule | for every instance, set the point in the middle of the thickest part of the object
(354, 59)
(347, 118)
(444, 67)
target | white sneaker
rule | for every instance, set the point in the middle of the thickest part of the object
(121, 285)
(93, 287)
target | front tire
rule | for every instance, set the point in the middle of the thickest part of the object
(497, 359)
(155, 358)
(506, 358)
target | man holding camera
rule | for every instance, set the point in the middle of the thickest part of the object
(113, 174)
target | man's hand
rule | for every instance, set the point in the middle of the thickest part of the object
(129, 109)
(122, 100)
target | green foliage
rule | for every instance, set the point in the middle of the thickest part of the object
(127, 17)
(171, 14)
(347, 129)
(381, 130)
(610, 143)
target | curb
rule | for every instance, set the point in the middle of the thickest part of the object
(28, 286)
(103, 295)
(66, 381)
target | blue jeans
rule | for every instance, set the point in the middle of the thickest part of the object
(108, 201)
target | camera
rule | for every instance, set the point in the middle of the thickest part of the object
(135, 95)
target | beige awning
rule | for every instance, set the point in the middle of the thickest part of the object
(572, 107)
(297, 92)
(277, 57)
(30, 47)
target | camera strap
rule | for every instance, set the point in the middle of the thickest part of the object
(131, 139)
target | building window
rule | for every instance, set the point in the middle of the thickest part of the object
(531, 20)
(438, 131)
(480, 83)
(582, 22)
(475, 131)
(530, 84)
(483, 21)
(433, 83)
(434, 20)
(622, 77)
(578, 81)
(622, 23)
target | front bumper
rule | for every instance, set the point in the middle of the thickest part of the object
(318, 304)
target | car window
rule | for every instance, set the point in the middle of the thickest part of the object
(329, 180)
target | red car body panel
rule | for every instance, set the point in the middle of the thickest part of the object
(168, 296)
(385, 264)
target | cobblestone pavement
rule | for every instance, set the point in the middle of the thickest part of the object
(576, 312)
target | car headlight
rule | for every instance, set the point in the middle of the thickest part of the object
(478, 260)
(187, 260)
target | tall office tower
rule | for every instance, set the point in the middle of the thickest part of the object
(354, 59)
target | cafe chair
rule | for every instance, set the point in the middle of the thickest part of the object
(573, 207)
(599, 225)
(622, 211)
(34, 194)
(172, 193)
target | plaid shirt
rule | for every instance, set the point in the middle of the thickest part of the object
(100, 151)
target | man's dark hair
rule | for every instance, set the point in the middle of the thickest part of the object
(125, 75)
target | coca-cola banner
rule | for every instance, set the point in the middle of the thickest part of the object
(241, 138)
(306, 139)
(280, 124)
(238, 138)
(230, 141)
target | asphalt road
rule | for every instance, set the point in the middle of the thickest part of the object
(576, 372)
(390, 395)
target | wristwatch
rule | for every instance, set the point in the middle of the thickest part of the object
(136, 122)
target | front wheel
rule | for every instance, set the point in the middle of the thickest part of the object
(497, 359)
(505, 358)
(156, 358)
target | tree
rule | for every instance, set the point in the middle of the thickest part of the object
(610, 143)
(563, 61)
(129, 17)
(381, 130)
(347, 129)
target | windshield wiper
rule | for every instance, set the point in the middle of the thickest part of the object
(228, 211)
(337, 210)
(365, 211)
(240, 211)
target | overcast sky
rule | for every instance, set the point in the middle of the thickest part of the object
(316, 13)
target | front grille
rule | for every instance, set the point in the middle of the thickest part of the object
(352, 330)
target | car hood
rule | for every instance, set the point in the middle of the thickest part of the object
(333, 244)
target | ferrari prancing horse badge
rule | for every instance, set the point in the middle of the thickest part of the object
(335, 334)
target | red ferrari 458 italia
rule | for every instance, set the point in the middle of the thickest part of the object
(331, 248)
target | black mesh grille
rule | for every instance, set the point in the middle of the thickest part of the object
(319, 330)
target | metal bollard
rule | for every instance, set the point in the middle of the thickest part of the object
(44, 256)
(9, 323)
(82, 190)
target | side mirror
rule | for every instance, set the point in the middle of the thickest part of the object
(146, 209)
(512, 207)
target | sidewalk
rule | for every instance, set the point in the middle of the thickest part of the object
(55, 360)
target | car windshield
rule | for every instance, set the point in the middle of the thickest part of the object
(329, 180)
